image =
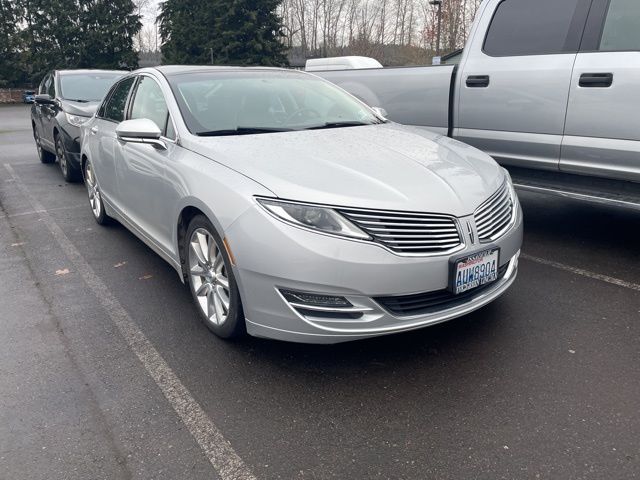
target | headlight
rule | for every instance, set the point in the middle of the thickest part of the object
(76, 120)
(322, 219)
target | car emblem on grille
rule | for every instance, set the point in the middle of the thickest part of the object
(470, 230)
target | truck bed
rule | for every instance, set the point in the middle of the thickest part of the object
(419, 96)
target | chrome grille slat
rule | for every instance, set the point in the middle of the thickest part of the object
(498, 212)
(419, 242)
(490, 204)
(396, 217)
(452, 236)
(488, 213)
(494, 223)
(411, 233)
(415, 247)
(421, 224)
(411, 230)
(495, 215)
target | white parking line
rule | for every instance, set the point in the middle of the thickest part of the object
(580, 271)
(55, 209)
(217, 449)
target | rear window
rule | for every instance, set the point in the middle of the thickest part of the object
(87, 87)
(534, 27)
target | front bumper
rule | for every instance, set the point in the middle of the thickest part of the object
(272, 255)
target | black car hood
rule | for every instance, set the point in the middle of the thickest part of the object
(85, 109)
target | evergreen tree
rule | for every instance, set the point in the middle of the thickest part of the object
(10, 70)
(222, 32)
(108, 29)
(79, 34)
(250, 34)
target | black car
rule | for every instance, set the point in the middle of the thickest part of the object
(65, 100)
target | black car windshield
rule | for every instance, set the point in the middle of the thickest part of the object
(87, 87)
(254, 101)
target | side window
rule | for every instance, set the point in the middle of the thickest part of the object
(149, 103)
(51, 86)
(114, 108)
(43, 85)
(103, 105)
(622, 27)
(528, 27)
(170, 131)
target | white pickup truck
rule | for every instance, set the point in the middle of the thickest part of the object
(549, 88)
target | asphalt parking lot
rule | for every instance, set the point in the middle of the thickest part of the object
(107, 373)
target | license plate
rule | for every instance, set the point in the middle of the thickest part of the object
(475, 270)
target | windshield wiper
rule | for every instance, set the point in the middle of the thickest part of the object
(79, 100)
(342, 124)
(242, 131)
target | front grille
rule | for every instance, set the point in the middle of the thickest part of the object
(407, 232)
(429, 302)
(494, 216)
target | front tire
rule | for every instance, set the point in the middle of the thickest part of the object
(95, 197)
(70, 173)
(43, 155)
(211, 280)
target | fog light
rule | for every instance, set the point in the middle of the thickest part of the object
(315, 300)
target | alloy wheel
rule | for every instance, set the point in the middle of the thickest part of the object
(38, 144)
(209, 277)
(62, 157)
(93, 190)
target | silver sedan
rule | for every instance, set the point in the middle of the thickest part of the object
(294, 211)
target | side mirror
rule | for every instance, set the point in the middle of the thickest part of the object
(140, 130)
(381, 112)
(44, 99)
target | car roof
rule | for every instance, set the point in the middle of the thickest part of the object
(89, 70)
(169, 70)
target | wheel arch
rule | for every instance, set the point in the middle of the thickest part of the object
(190, 208)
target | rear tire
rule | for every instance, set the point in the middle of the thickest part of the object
(43, 155)
(95, 197)
(70, 173)
(211, 280)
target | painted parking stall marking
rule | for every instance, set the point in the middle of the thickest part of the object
(215, 446)
(582, 272)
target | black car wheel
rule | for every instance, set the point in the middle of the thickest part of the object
(69, 172)
(45, 156)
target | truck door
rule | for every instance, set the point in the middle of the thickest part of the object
(602, 134)
(514, 84)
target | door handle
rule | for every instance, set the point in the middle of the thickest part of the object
(596, 80)
(94, 130)
(478, 81)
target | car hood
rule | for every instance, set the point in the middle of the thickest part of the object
(389, 166)
(84, 109)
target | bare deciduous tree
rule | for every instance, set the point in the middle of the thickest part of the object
(368, 27)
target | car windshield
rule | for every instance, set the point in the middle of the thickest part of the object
(87, 87)
(236, 103)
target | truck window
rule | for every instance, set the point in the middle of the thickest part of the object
(621, 28)
(526, 27)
